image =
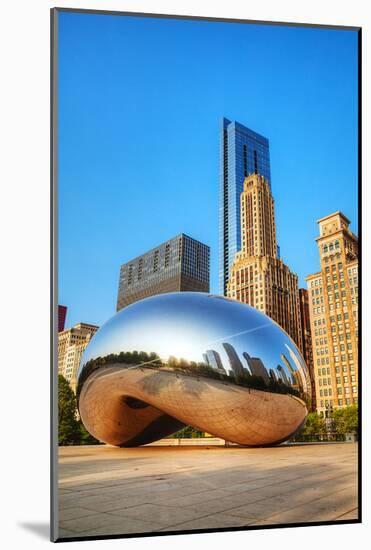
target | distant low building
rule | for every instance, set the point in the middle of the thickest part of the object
(71, 345)
(180, 264)
(62, 313)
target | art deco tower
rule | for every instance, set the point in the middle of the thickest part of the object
(333, 307)
(258, 277)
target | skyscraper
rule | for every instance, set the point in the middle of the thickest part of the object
(258, 277)
(283, 376)
(213, 359)
(243, 152)
(257, 367)
(234, 360)
(333, 307)
(182, 263)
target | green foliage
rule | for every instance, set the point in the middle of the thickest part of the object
(314, 424)
(71, 431)
(346, 420)
(188, 431)
(85, 437)
(69, 427)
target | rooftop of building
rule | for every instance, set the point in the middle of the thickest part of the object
(314, 275)
(254, 176)
(151, 250)
(85, 325)
(337, 213)
(80, 326)
(244, 129)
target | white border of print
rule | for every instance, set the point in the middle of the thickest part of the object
(25, 180)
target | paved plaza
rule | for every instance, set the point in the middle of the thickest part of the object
(105, 490)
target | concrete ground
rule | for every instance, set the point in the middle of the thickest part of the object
(105, 490)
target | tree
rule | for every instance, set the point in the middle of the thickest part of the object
(314, 424)
(188, 431)
(85, 437)
(69, 427)
(346, 420)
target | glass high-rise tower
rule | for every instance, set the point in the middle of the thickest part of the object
(243, 152)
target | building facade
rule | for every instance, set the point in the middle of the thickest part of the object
(242, 152)
(62, 313)
(333, 307)
(258, 277)
(180, 264)
(306, 338)
(71, 345)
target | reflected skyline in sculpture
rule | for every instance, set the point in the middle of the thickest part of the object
(218, 350)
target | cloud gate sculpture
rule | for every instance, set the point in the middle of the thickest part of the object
(189, 358)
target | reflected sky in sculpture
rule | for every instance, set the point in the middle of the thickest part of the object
(188, 324)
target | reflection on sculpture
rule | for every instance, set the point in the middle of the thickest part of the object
(190, 358)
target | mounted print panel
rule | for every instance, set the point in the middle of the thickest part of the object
(206, 369)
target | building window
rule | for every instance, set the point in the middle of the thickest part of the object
(155, 261)
(140, 269)
(167, 255)
(130, 275)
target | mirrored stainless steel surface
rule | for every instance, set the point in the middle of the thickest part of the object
(189, 358)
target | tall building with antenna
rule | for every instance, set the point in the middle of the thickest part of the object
(242, 152)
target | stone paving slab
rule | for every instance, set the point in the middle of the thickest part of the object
(214, 521)
(106, 490)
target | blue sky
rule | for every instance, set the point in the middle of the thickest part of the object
(140, 103)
